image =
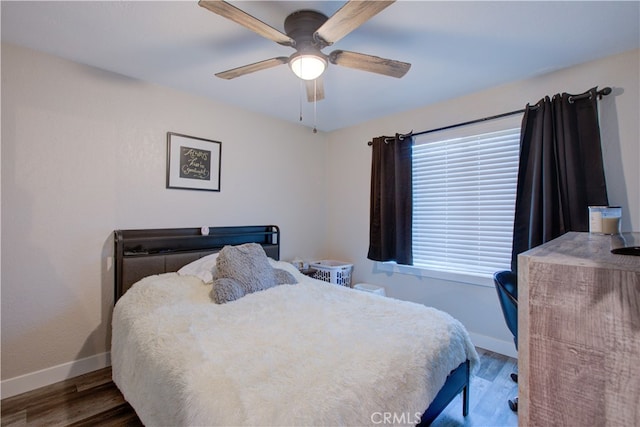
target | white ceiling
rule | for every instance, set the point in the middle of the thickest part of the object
(455, 48)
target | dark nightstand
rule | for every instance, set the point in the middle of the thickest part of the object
(309, 271)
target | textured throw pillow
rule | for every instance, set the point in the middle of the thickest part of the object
(225, 290)
(246, 264)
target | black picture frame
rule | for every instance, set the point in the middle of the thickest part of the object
(193, 163)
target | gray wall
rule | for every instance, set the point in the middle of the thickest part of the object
(477, 306)
(84, 153)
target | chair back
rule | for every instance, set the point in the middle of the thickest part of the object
(507, 287)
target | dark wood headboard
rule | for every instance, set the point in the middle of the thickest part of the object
(142, 253)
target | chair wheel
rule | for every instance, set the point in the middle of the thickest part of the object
(514, 377)
(513, 404)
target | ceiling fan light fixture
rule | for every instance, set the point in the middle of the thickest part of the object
(307, 66)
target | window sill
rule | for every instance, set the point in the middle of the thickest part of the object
(471, 279)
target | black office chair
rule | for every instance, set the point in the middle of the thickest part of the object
(507, 288)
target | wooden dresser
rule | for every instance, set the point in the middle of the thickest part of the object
(578, 334)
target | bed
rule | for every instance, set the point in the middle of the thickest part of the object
(310, 353)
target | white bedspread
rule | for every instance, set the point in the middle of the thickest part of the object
(294, 355)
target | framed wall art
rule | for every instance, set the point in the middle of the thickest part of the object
(193, 163)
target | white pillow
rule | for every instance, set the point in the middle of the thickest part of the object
(203, 268)
(287, 266)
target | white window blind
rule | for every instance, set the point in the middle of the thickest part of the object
(464, 191)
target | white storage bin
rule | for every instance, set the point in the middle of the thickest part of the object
(332, 271)
(366, 287)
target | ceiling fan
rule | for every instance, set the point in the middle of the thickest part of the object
(308, 32)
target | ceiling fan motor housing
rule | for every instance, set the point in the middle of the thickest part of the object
(301, 25)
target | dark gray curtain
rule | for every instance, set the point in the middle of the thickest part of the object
(390, 221)
(561, 171)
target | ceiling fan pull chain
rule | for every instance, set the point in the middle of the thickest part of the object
(300, 98)
(315, 106)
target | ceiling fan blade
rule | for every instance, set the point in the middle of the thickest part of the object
(349, 17)
(316, 86)
(252, 68)
(373, 64)
(241, 17)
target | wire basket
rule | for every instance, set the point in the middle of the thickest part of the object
(336, 272)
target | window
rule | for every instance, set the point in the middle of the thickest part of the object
(464, 189)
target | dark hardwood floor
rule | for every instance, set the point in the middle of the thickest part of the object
(491, 388)
(92, 399)
(88, 400)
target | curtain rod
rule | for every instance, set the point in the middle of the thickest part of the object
(605, 91)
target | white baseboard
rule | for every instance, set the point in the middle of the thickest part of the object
(507, 348)
(48, 376)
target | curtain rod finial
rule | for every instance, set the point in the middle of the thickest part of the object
(605, 91)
